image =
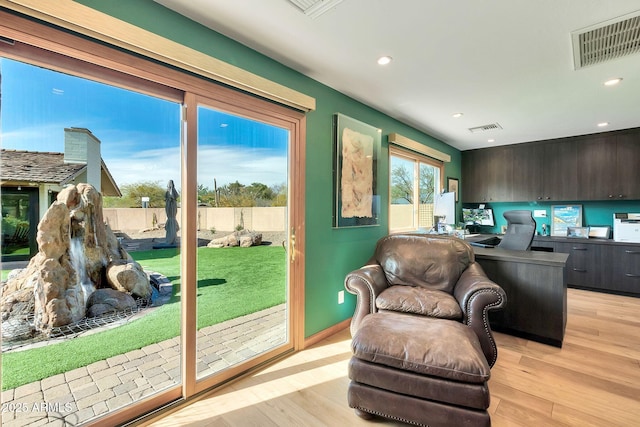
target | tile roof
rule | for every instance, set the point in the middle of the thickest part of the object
(33, 166)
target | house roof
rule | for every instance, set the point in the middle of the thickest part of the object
(48, 167)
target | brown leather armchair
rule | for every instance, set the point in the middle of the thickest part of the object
(428, 275)
(421, 341)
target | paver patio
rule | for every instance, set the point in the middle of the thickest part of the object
(77, 396)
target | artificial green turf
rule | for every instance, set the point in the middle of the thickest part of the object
(232, 282)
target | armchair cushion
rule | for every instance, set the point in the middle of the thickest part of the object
(418, 300)
(421, 260)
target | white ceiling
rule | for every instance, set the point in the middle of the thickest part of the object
(497, 61)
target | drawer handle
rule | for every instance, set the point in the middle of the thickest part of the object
(632, 275)
(581, 270)
(579, 249)
(631, 252)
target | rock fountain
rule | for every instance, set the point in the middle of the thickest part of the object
(80, 270)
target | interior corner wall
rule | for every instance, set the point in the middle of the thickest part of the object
(330, 253)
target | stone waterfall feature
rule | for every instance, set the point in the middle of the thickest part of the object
(79, 262)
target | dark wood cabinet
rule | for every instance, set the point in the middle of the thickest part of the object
(536, 289)
(583, 265)
(622, 265)
(527, 177)
(473, 182)
(608, 167)
(599, 265)
(596, 167)
(628, 165)
(488, 175)
(559, 171)
(591, 167)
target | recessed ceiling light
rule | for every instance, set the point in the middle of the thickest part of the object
(384, 60)
(613, 82)
(457, 115)
(491, 140)
(603, 124)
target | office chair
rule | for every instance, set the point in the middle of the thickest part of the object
(520, 230)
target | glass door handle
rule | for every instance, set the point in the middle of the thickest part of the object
(292, 245)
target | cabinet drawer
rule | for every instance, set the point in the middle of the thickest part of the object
(625, 269)
(583, 264)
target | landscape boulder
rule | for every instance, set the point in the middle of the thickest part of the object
(104, 301)
(129, 277)
(242, 238)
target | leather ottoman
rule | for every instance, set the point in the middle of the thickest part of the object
(419, 370)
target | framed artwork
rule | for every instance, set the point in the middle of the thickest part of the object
(452, 186)
(600, 232)
(563, 217)
(356, 201)
(578, 232)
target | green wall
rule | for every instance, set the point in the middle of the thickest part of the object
(330, 253)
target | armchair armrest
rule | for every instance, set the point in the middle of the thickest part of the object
(366, 283)
(477, 295)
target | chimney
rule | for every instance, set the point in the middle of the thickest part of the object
(81, 146)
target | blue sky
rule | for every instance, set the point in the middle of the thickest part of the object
(139, 134)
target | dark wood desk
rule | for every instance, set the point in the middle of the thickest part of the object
(536, 288)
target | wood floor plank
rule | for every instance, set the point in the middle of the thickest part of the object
(512, 413)
(573, 417)
(537, 404)
(593, 380)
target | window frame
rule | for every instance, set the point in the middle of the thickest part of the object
(396, 151)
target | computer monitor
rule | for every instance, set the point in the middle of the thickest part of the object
(478, 216)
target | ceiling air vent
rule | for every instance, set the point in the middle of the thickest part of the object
(484, 128)
(606, 41)
(315, 8)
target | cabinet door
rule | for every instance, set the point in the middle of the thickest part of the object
(583, 265)
(628, 166)
(474, 188)
(622, 269)
(499, 170)
(596, 167)
(487, 175)
(559, 171)
(527, 172)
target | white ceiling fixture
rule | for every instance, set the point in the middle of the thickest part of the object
(485, 128)
(613, 82)
(315, 8)
(384, 60)
(608, 40)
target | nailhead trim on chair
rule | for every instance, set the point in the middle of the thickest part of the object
(485, 318)
(380, 414)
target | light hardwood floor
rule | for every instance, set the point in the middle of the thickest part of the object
(594, 380)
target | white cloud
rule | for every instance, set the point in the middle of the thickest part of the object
(226, 165)
(130, 160)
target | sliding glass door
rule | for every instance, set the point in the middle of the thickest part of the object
(126, 144)
(243, 223)
(180, 168)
